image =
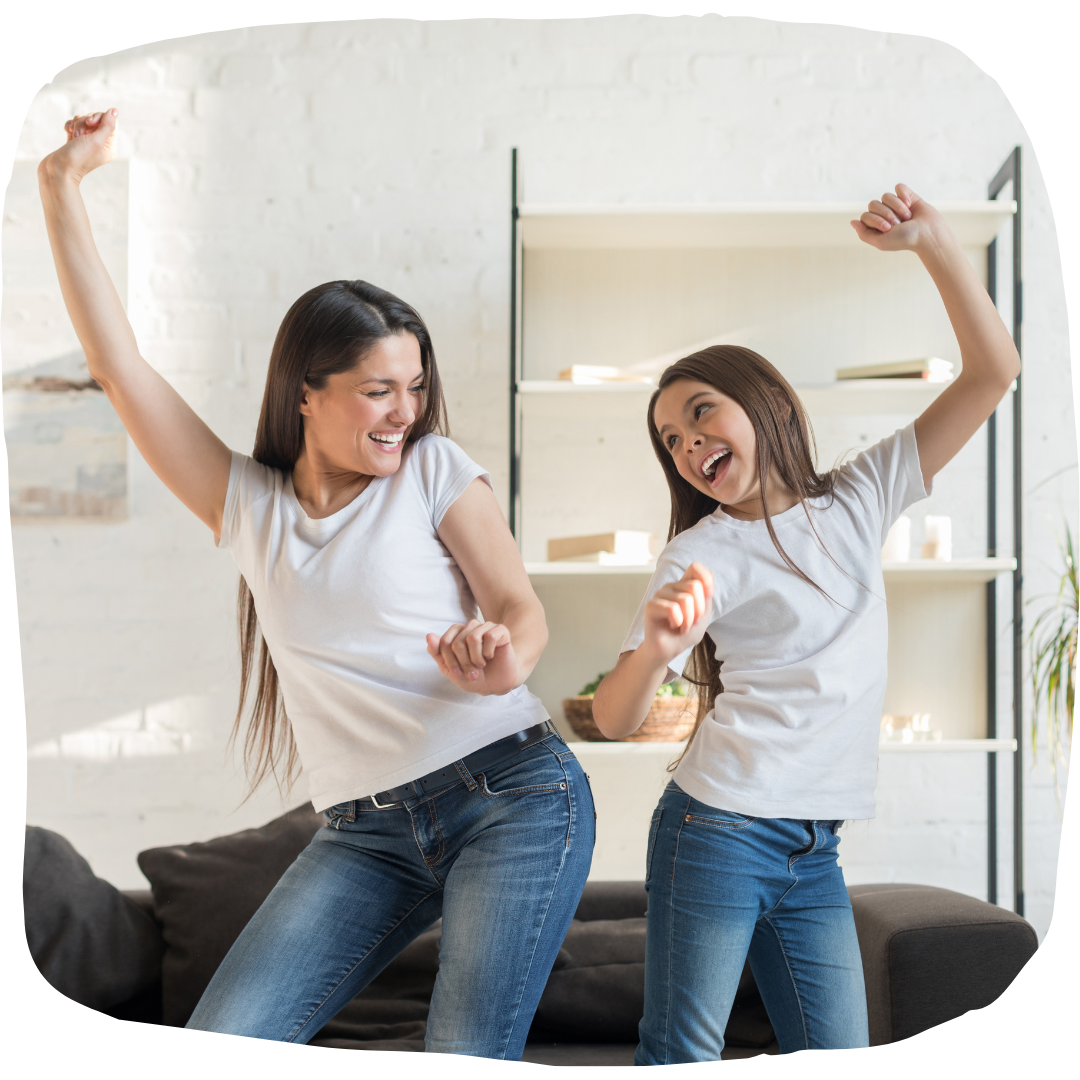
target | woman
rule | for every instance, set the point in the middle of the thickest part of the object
(360, 532)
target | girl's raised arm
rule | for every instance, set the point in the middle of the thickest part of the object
(186, 455)
(904, 222)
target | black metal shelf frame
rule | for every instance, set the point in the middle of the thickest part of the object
(1008, 173)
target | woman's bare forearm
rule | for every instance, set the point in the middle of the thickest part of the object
(186, 455)
(89, 294)
(527, 624)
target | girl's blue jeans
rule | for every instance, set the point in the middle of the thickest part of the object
(501, 856)
(723, 888)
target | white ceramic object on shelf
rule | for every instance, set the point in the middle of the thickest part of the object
(897, 546)
(938, 543)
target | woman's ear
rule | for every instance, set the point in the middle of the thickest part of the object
(305, 400)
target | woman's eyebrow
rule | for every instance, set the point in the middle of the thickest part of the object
(389, 382)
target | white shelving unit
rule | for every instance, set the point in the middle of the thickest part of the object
(598, 284)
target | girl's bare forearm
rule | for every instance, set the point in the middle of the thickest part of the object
(625, 695)
(986, 349)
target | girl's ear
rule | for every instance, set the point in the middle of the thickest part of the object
(305, 400)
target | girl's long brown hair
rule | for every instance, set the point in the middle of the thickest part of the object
(327, 331)
(785, 443)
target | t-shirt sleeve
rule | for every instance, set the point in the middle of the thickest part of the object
(445, 472)
(669, 567)
(248, 481)
(888, 476)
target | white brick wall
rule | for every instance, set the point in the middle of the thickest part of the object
(266, 161)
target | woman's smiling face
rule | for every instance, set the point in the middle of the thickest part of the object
(712, 442)
(357, 423)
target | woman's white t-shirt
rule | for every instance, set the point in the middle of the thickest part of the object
(795, 732)
(345, 602)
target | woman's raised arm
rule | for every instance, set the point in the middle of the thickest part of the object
(904, 222)
(186, 455)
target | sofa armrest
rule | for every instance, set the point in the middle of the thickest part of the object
(930, 955)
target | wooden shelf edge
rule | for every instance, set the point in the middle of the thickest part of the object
(955, 746)
(583, 569)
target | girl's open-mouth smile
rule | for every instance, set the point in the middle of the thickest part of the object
(715, 464)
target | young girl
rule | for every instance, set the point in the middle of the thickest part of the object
(359, 531)
(771, 581)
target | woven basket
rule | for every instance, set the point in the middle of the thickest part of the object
(669, 720)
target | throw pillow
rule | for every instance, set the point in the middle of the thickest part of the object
(87, 939)
(205, 893)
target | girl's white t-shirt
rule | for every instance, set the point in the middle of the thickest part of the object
(795, 732)
(345, 602)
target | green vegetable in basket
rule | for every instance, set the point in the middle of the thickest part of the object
(675, 688)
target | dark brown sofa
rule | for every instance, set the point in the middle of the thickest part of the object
(929, 954)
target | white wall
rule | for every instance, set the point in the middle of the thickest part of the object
(266, 161)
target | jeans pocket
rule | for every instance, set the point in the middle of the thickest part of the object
(700, 814)
(654, 828)
(525, 774)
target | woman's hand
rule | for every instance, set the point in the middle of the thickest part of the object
(901, 222)
(91, 142)
(678, 615)
(477, 656)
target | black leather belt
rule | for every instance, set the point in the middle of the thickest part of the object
(476, 762)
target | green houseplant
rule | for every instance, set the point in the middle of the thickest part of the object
(1052, 647)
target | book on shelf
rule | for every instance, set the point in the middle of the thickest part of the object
(595, 374)
(624, 547)
(928, 368)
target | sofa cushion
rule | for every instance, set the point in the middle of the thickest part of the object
(87, 939)
(929, 955)
(205, 893)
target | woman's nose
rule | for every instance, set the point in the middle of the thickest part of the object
(403, 410)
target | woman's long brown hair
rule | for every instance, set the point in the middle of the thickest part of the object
(785, 444)
(327, 331)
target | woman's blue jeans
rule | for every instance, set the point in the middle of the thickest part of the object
(502, 856)
(724, 888)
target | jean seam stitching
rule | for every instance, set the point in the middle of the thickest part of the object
(333, 990)
(794, 981)
(671, 933)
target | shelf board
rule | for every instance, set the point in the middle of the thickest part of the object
(921, 571)
(731, 225)
(564, 386)
(954, 746)
(966, 571)
(584, 569)
(850, 397)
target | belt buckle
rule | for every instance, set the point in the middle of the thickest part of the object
(379, 805)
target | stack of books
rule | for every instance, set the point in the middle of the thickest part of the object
(929, 369)
(624, 547)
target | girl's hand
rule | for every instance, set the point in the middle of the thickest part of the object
(901, 222)
(91, 142)
(477, 656)
(678, 615)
